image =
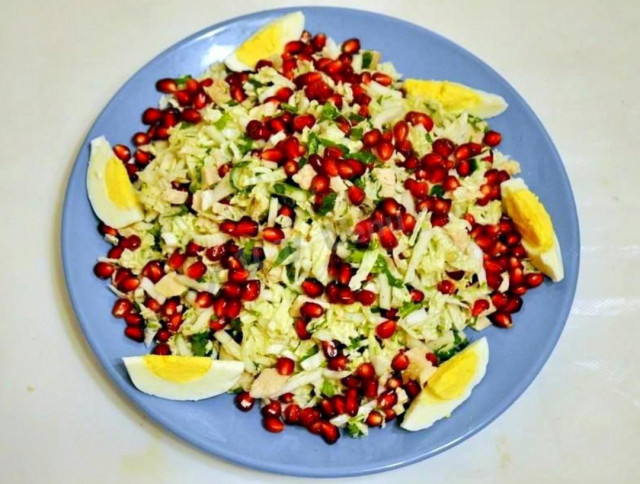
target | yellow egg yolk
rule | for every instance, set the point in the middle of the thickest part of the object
(119, 187)
(262, 45)
(179, 369)
(452, 378)
(451, 95)
(530, 218)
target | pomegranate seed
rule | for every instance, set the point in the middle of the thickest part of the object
(183, 97)
(339, 404)
(272, 154)
(351, 402)
(432, 358)
(228, 227)
(330, 433)
(351, 381)
(450, 183)
(443, 146)
(381, 78)
(291, 167)
(291, 414)
(128, 284)
(329, 349)
(161, 349)
(533, 279)
(338, 363)
(513, 305)
(462, 152)
(273, 235)
(374, 419)
(176, 260)
(300, 326)
(318, 42)
(479, 306)
(246, 228)
(386, 329)
(365, 297)
(365, 371)
(356, 195)
(271, 409)
(393, 383)
(162, 336)
(166, 86)
(132, 242)
(204, 300)
(244, 401)
(196, 270)
(516, 276)
(311, 310)
(502, 320)
(237, 94)
(191, 116)
(370, 388)
(492, 138)
(407, 223)
(384, 150)
(520, 290)
(400, 130)
(152, 304)
(416, 118)
(308, 416)
(439, 219)
(499, 300)
(121, 308)
(302, 121)
(285, 366)
(412, 388)
(387, 399)
(351, 46)
(151, 116)
(153, 271)
(174, 322)
(136, 333)
(387, 238)
(250, 291)
(273, 424)
(312, 287)
(122, 152)
(238, 274)
(103, 270)
(320, 184)
(371, 138)
(400, 362)
(417, 296)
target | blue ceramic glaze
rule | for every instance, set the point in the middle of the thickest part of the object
(214, 425)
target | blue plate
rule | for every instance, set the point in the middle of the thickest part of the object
(214, 425)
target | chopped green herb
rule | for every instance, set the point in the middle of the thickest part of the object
(247, 253)
(328, 142)
(329, 112)
(367, 57)
(359, 182)
(458, 345)
(199, 343)
(245, 145)
(381, 267)
(429, 137)
(354, 343)
(327, 389)
(256, 82)
(312, 351)
(236, 324)
(328, 202)
(289, 108)
(356, 134)
(279, 188)
(363, 156)
(313, 143)
(283, 255)
(436, 191)
(475, 164)
(408, 307)
(181, 81)
(354, 430)
(356, 118)
(291, 273)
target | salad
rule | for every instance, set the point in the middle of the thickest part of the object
(304, 228)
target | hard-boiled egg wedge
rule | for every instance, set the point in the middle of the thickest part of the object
(112, 196)
(534, 224)
(182, 377)
(267, 42)
(448, 387)
(457, 98)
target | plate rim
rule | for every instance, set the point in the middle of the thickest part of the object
(292, 469)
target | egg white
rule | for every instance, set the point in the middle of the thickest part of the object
(290, 27)
(220, 378)
(426, 408)
(548, 262)
(103, 206)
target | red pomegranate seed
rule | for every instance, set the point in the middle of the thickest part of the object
(308, 416)
(416, 118)
(196, 270)
(176, 260)
(302, 121)
(492, 138)
(329, 349)
(183, 97)
(338, 363)
(351, 402)
(318, 42)
(312, 287)
(166, 86)
(400, 130)
(132, 242)
(365, 371)
(330, 433)
(516, 276)
(387, 238)
(412, 388)
(244, 401)
(351, 46)
(122, 152)
(291, 167)
(450, 183)
(121, 308)
(285, 366)
(232, 309)
(272, 154)
(151, 116)
(384, 150)
(356, 195)
(204, 300)
(273, 235)
(502, 320)
(228, 227)
(370, 388)
(533, 279)
(238, 274)
(520, 290)
(191, 116)
(152, 304)
(365, 297)
(153, 271)
(129, 284)
(443, 146)
(393, 383)
(320, 184)
(161, 349)
(351, 381)
(479, 306)
(374, 419)
(136, 333)
(273, 424)
(417, 296)
(311, 310)
(499, 300)
(432, 358)
(237, 94)
(291, 414)
(103, 270)
(381, 78)
(246, 228)
(162, 336)
(400, 362)
(387, 399)
(300, 326)
(513, 305)
(250, 291)
(371, 138)
(386, 329)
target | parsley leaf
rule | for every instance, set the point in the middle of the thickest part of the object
(283, 255)
(458, 345)
(363, 156)
(329, 112)
(436, 191)
(181, 81)
(222, 122)
(367, 57)
(354, 430)
(381, 267)
(289, 108)
(408, 307)
(256, 82)
(199, 343)
(356, 134)
(328, 202)
(328, 142)
(356, 118)
(310, 353)
(327, 389)
(313, 143)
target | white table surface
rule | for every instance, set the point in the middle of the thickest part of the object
(576, 62)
